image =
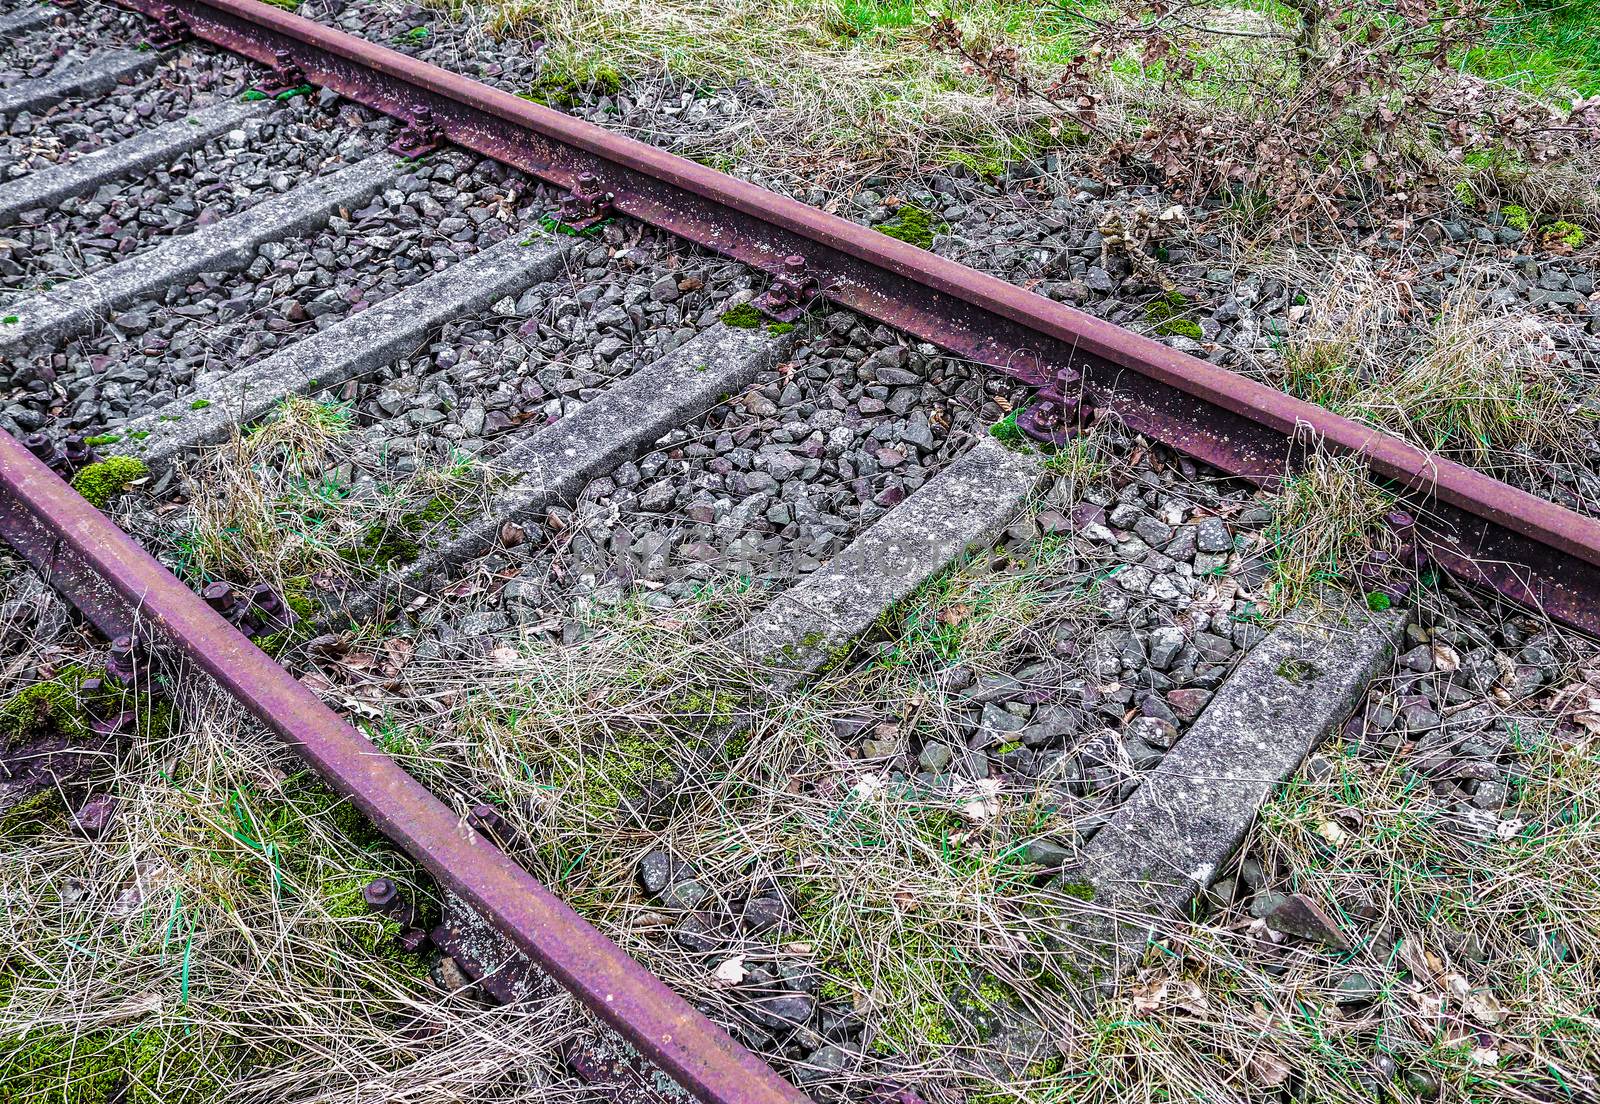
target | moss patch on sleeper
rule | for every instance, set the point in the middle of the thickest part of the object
(101, 482)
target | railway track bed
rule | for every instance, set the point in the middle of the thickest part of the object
(879, 680)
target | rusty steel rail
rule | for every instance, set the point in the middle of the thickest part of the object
(1530, 550)
(122, 589)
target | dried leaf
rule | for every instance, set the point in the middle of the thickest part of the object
(1445, 658)
(1178, 994)
(1331, 832)
(985, 805)
(730, 972)
(399, 650)
(1267, 1069)
(1482, 1005)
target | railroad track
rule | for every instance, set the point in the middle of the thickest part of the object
(322, 174)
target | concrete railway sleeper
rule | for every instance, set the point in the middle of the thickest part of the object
(1147, 857)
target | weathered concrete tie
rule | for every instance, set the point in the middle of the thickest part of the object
(224, 246)
(147, 150)
(361, 343)
(965, 506)
(89, 78)
(1174, 834)
(555, 464)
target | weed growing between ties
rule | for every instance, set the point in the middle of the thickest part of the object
(286, 502)
(915, 909)
(1328, 522)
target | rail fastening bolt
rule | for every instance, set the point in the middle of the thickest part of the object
(380, 893)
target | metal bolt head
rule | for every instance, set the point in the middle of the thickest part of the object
(40, 445)
(120, 661)
(794, 264)
(219, 596)
(118, 724)
(380, 893)
(264, 598)
(587, 181)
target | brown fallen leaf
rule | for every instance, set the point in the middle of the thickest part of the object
(1483, 1006)
(1179, 994)
(1267, 1069)
(1445, 658)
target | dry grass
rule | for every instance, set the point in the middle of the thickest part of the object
(832, 91)
(1221, 1012)
(1326, 525)
(1475, 382)
(289, 502)
(213, 945)
(244, 966)
(911, 906)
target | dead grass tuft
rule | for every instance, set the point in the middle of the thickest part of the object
(832, 91)
(1475, 382)
(1327, 524)
(289, 499)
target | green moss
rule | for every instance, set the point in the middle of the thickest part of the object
(616, 771)
(705, 708)
(1046, 1067)
(1081, 891)
(742, 317)
(1297, 671)
(1378, 601)
(1009, 434)
(1180, 327)
(436, 509)
(778, 329)
(1516, 218)
(141, 1066)
(139, 434)
(1465, 195)
(100, 483)
(554, 89)
(383, 546)
(913, 225)
(55, 706)
(297, 596)
(934, 1025)
(44, 809)
(64, 707)
(1165, 313)
(1562, 233)
(199, 404)
(103, 439)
